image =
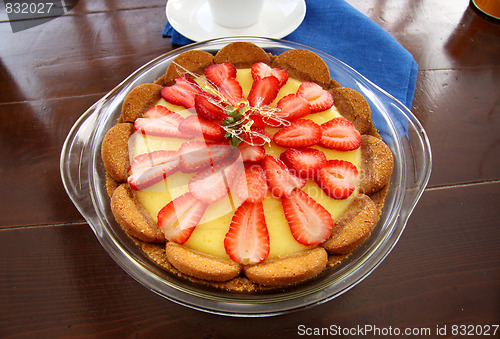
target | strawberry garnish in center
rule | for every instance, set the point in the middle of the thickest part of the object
(247, 241)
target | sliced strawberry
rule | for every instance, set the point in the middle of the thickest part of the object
(261, 70)
(212, 184)
(149, 168)
(340, 134)
(250, 152)
(209, 107)
(231, 89)
(263, 91)
(196, 126)
(310, 223)
(304, 162)
(256, 136)
(182, 92)
(318, 98)
(217, 73)
(300, 133)
(159, 121)
(247, 241)
(251, 184)
(280, 180)
(179, 217)
(197, 155)
(294, 106)
(337, 178)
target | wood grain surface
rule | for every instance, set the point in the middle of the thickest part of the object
(56, 280)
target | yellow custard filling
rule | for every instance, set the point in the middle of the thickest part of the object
(208, 236)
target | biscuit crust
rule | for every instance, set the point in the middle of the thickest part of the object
(194, 61)
(132, 217)
(354, 107)
(353, 227)
(304, 65)
(139, 100)
(289, 270)
(242, 54)
(376, 164)
(114, 151)
(200, 265)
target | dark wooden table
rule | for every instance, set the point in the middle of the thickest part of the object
(56, 279)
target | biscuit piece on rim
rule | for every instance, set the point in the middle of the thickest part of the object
(132, 217)
(194, 61)
(199, 265)
(139, 100)
(114, 151)
(289, 270)
(376, 165)
(353, 227)
(304, 65)
(242, 54)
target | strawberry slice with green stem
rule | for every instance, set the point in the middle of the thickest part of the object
(300, 133)
(337, 178)
(247, 241)
(179, 217)
(310, 223)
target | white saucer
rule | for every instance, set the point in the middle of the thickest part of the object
(192, 18)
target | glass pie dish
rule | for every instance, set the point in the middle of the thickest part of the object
(84, 179)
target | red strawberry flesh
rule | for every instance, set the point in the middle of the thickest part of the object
(310, 223)
(304, 162)
(247, 241)
(280, 180)
(150, 168)
(251, 184)
(340, 134)
(179, 218)
(182, 92)
(338, 178)
(300, 133)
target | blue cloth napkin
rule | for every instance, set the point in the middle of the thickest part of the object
(338, 29)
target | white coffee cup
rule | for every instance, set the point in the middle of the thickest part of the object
(236, 13)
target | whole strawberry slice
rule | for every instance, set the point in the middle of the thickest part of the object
(263, 91)
(179, 217)
(294, 106)
(196, 126)
(304, 162)
(231, 89)
(300, 133)
(337, 178)
(159, 121)
(247, 241)
(209, 107)
(280, 180)
(197, 155)
(217, 73)
(149, 168)
(318, 98)
(310, 223)
(182, 92)
(261, 70)
(212, 184)
(251, 153)
(340, 134)
(251, 184)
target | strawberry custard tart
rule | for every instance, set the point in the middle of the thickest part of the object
(245, 170)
